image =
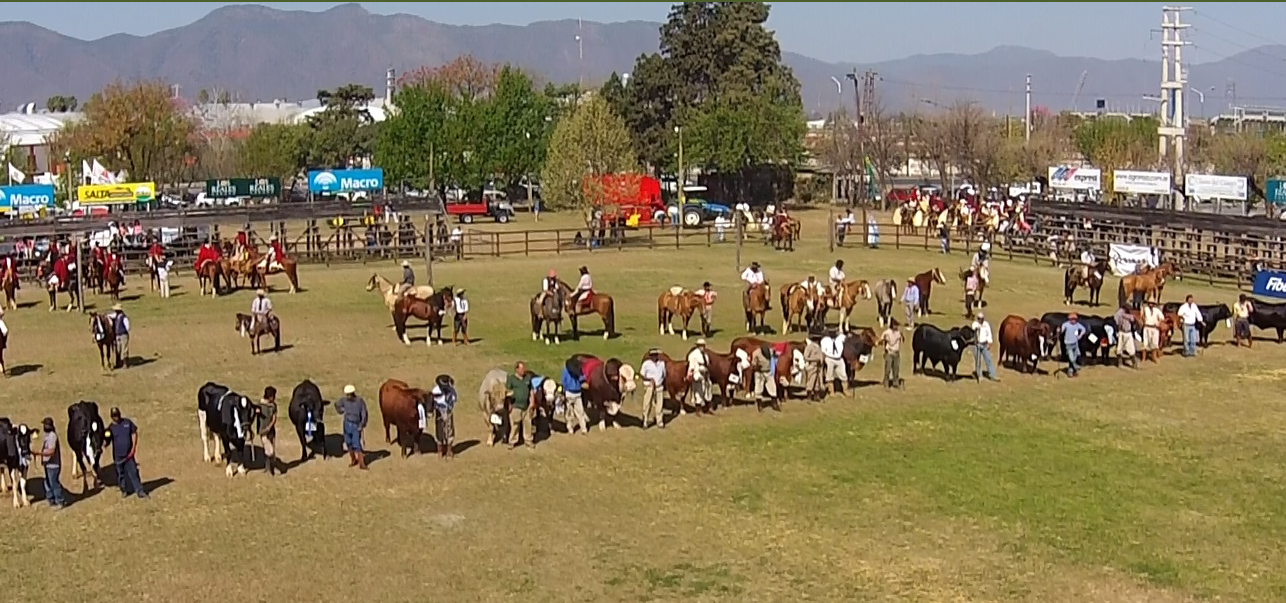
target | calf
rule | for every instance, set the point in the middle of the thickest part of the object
(859, 345)
(306, 411)
(15, 459)
(1211, 314)
(1024, 341)
(226, 415)
(933, 346)
(1269, 316)
(86, 436)
(406, 408)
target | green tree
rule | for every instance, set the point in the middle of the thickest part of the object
(414, 133)
(590, 143)
(518, 126)
(61, 104)
(275, 150)
(650, 111)
(343, 130)
(1112, 143)
(135, 127)
(613, 91)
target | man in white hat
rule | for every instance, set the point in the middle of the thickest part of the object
(260, 309)
(699, 375)
(653, 373)
(120, 322)
(353, 409)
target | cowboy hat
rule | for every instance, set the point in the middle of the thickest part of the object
(406, 264)
(348, 389)
(701, 341)
(459, 292)
(272, 238)
(653, 352)
(118, 307)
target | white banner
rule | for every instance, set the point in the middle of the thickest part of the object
(1125, 259)
(1232, 188)
(1141, 183)
(1077, 179)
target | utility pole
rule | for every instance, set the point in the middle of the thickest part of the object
(1027, 112)
(1174, 117)
(864, 101)
(861, 142)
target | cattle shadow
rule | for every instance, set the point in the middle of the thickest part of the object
(937, 373)
(23, 369)
(30, 304)
(374, 456)
(131, 297)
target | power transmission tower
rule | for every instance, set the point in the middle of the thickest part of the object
(1174, 116)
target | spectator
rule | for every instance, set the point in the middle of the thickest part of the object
(911, 299)
(1070, 334)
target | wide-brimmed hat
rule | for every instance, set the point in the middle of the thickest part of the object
(260, 292)
(910, 279)
(406, 264)
(118, 308)
(653, 352)
(459, 292)
(47, 422)
(701, 341)
(348, 389)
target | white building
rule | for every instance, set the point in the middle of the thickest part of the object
(31, 132)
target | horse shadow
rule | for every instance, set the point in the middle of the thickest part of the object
(23, 369)
(30, 304)
(134, 361)
(268, 349)
(131, 297)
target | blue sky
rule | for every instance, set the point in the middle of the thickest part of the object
(855, 31)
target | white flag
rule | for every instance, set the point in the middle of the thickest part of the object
(101, 175)
(16, 174)
(86, 176)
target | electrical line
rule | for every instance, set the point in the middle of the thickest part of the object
(1238, 29)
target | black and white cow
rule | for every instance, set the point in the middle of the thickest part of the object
(933, 346)
(1095, 345)
(15, 459)
(306, 409)
(226, 415)
(86, 436)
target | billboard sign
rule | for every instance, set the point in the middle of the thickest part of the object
(345, 181)
(26, 197)
(1077, 179)
(1205, 186)
(1270, 283)
(1141, 183)
(116, 194)
(243, 187)
(1275, 191)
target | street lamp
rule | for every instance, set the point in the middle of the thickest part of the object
(682, 176)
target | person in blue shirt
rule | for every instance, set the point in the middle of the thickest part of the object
(1071, 332)
(911, 298)
(124, 435)
(444, 399)
(573, 406)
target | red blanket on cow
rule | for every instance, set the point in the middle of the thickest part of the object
(780, 347)
(588, 365)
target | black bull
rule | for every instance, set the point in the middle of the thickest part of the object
(306, 411)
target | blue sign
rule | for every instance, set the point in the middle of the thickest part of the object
(26, 197)
(1270, 283)
(344, 181)
(1275, 191)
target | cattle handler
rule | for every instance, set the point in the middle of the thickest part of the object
(891, 339)
(266, 427)
(444, 398)
(353, 409)
(1152, 319)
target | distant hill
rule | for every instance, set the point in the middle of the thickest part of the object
(259, 53)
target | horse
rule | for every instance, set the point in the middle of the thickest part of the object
(547, 314)
(784, 234)
(886, 292)
(112, 284)
(1148, 285)
(10, 286)
(924, 281)
(209, 275)
(431, 311)
(104, 332)
(606, 383)
(43, 272)
(284, 265)
(680, 302)
(984, 277)
(154, 277)
(849, 293)
(272, 326)
(389, 290)
(592, 302)
(1075, 277)
(802, 302)
(756, 306)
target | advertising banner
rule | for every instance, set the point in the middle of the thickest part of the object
(116, 194)
(1141, 183)
(1275, 190)
(345, 181)
(243, 187)
(1125, 259)
(1077, 179)
(1270, 283)
(26, 197)
(1231, 188)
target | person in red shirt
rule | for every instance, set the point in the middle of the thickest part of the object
(205, 254)
(98, 257)
(114, 264)
(275, 252)
(156, 252)
(242, 242)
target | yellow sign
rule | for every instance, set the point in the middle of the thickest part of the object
(116, 194)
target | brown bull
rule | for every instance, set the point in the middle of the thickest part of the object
(743, 349)
(1024, 341)
(401, 406)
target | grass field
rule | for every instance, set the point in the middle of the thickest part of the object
(1164, 484)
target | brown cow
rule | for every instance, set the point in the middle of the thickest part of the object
(676, 379)
(743, 348)
(401, 406)
(1025, 342)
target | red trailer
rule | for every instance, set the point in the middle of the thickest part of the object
(632, 199)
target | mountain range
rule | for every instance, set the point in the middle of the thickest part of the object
(262, 54)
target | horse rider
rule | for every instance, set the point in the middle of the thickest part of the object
(241, 243)
(1087, 263)
(753, 277)
(408, 279)
(9, 270)
(837, 282)
(98, 256)
(813, 287)
(275, 254)
(114, 264)
(156, 253)
(707, 295)
(699, 374)
(260, 309)
(583, 288)
(548, 286)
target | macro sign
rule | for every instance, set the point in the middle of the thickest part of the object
(243, 187)
(345, 181)
(1270, 283)
(116, 194)
(26, 197)
(1077, 179)
(1275, 191)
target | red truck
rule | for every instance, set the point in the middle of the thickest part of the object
(633, 199)
(489, 206)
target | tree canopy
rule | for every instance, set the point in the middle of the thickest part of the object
(590, 143)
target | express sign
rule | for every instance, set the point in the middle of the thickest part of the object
(1078, 179)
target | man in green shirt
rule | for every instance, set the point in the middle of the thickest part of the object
(266, 427)
(518, 385)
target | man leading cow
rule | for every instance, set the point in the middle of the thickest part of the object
(699, 375)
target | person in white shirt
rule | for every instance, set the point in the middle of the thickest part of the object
(813, 287)
(837, 278)
(982, 348)
(583, 287)
(699, 376)
(461, 320)
(4, 343)
(260, 309)
(1190, 316)
(833, 351)
(753, 277)
(163, 275)
(548, 286)
(1087, 263)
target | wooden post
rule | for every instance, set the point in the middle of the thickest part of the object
(428, 248)
(866, 229)
(831, 228)
(740, 225)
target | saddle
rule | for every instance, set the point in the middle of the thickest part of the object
(677, 290)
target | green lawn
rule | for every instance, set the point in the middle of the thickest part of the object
(1164, 484)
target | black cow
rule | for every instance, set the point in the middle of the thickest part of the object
(933, 346)
(1210, 313)
(226, 415)
(86, 436)
(306, 409)
(1095, 345)
(15, 459)
(1269, 316)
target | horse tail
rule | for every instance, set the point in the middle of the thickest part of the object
(1120, 292)
(785, 305)
(609, 317)
(535, 317)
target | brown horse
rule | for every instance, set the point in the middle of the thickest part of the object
(924, 281)
(285, 266)
(756, 305)
(849, 293)
(432, 311)
(104, 333)
(680, 302)
(784, 234)
(1136, 288)
(1093, 283)
(209, 275)
(10, 286)
(591, 302)
(112, 284)
(272, 326)
(804, 303)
